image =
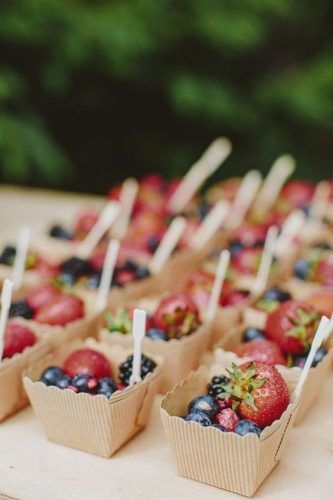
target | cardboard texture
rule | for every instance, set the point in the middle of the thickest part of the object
(315, 381)
(180, 356)
(302, 289)
(91, 423)
(12, 394)
(226, 460)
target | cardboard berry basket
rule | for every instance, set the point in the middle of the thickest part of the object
(57, 336)
(93, 424)
(316, 378)
(12, 394)
(301, 289)
(30, 277)
(180, 356)
(222, 459)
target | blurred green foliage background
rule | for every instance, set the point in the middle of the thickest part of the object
(94, 91)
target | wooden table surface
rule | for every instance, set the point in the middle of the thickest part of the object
(34, 469)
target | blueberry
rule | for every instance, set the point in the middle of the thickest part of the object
(107, 384)
(142, 272)
(74, 268)
(8, 255)
(235, 247)
(153, 243)
(200, 417)
(60, 232)
(204, 404)
(306, 210)
(157, 334)
(52, 375)
(21, 308)
(319, 356)
(277, 294)
(302, 269)
(63, 382)
(204, 208)
(252, 333)
(94, 280)
(67, 279)
(220, 427)
(85, 382)
(247, 426)
(105, 392)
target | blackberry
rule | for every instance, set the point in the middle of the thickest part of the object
(21, 308)
(125, 369)
(8, 255)
(60, 233)
(216, 386)
(74, 268)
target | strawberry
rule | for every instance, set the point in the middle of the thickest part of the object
(250, 233)
(321, 302)
(87, 360)
(324, 271)
(234, 298)
(86, 221)
(292, 325)
(16, 338)
(177, 315)
(298, 193)
(247, 261)
(261, 350)
(228, 418)
(258, 391)
(61, 310)
(41, 295)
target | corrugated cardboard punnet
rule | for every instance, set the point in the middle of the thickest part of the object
(12, 394)
(222, 459)
(93, 424)
(316, 378)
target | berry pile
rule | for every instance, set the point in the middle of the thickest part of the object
(252, 397)
(87, 370)
(175, 316)
(287, 336)
(47, 304)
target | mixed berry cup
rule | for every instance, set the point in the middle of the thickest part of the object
(222, 459)
(91, 423)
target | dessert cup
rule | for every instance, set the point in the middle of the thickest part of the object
(316, 377)
(222, 459)
(12, 394)
(93, 424)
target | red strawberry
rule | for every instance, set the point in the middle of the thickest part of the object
(114, 193)
(292, 325)
(177, 315)
(298, 193)
(250, 233)
(224, 403)
(155, 182)
(261, 350)
(17, 337)
(234, 298)
(45, 269)
(247, 261)
(41, 295)
(225, 190)
(61, 310)
(87, 361)
(259, 392)
(228, 418)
